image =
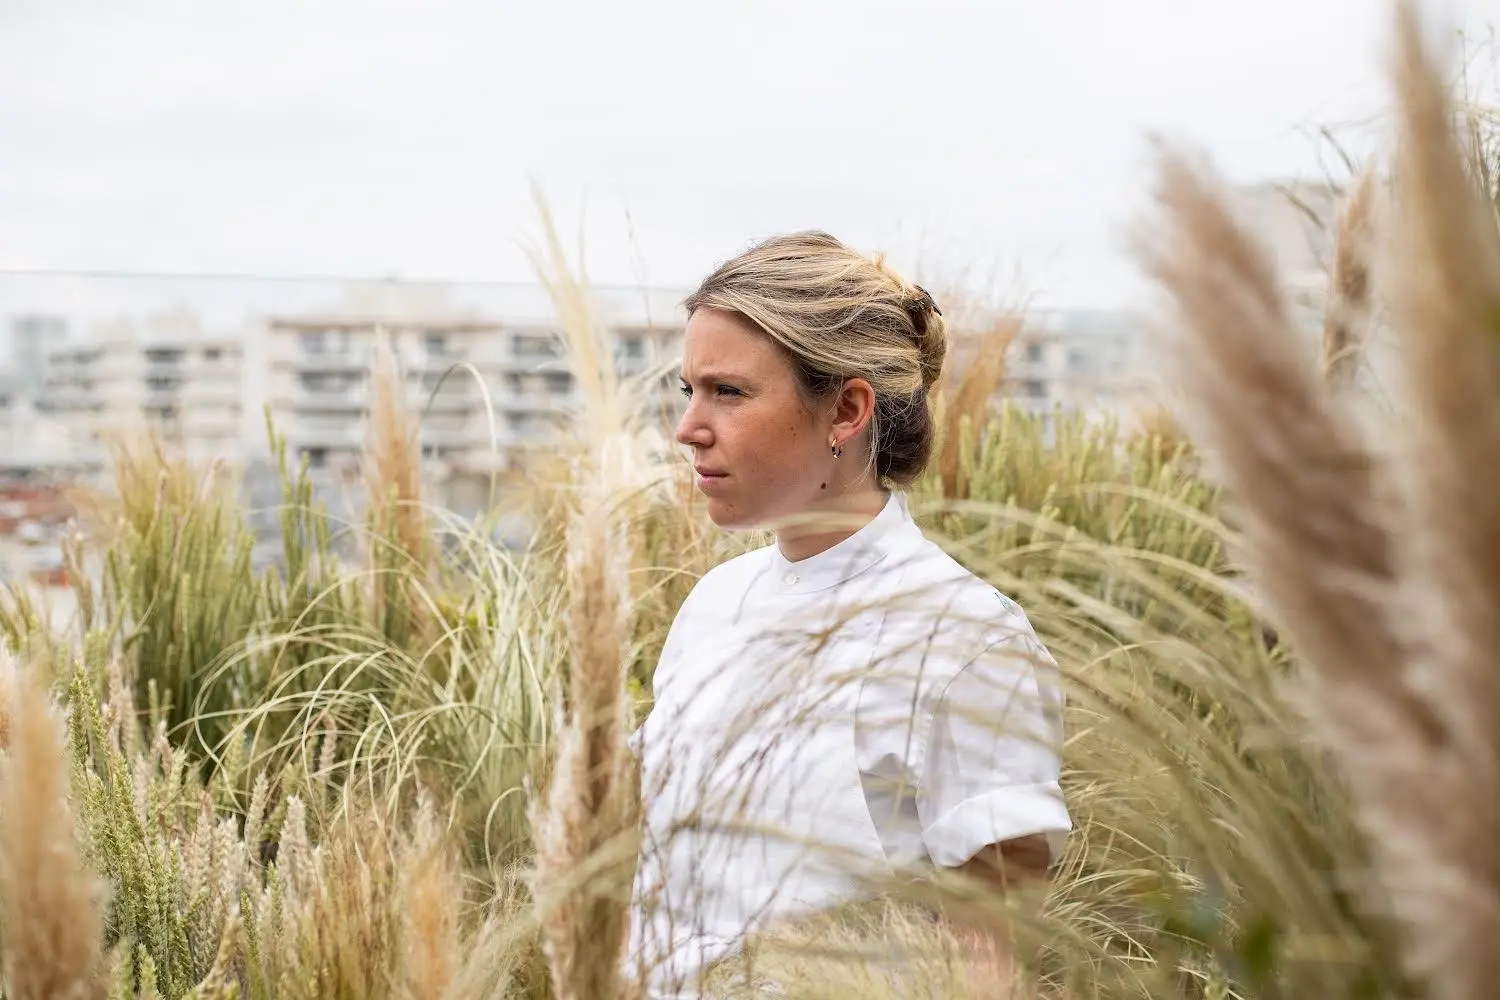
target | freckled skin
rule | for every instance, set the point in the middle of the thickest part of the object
(746, 419)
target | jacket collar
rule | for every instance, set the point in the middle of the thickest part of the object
(860, 552)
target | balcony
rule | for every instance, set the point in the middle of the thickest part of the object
(351, 434)
(332, 437)
(354, 361)
(461, 437)
(443, 402)
(337, 401)
(535, 402)
(164, 357)
(72, 397)
(518, 364)
(357, 399)
(212, 391)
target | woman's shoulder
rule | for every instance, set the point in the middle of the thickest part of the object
(732, 576)
(948, 595)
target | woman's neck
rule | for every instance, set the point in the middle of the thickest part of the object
(824, 524)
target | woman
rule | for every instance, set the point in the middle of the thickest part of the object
(847, 703)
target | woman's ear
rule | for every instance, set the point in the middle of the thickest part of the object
(853, 410)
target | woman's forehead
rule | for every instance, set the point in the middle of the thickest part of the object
(719, 343)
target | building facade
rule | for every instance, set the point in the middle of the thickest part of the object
(485, 384)
(1092, 361)
(163, 374)
(32, 336)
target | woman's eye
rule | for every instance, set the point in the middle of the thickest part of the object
(719, 390)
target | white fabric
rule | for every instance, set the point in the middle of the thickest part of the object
(871, 708)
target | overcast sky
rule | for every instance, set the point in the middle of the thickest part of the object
(370, 137)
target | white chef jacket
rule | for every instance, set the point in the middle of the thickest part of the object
(872, 709)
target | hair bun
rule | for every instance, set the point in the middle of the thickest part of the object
(932, 338)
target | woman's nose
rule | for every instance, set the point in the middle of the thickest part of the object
(691, 429)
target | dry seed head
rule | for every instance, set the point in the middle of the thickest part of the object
(1347, 314)
(588, 805)
(393, 466)
(52, 904)
(1437, 860)
(7, 696)
(971, 396)
(432, 894)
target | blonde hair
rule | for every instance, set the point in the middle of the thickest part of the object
(840, 315)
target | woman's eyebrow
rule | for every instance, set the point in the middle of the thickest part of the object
(713, 375)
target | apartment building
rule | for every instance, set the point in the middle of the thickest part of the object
(163, 373)
(488, 377)
(318, 384)
(1093, 361)
(34, 444)
(32, 335)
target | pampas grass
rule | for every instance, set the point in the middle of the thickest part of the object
(965, 400)
(8, 692)
(432, 896)
(399, 539)
(51, 912)
(1382, 568)
(1347, 313)
(581, 824)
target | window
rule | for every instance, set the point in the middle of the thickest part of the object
(1034, 388)
(212, 353)
(316, 382)
(632, 348)
(313, 341)
(528, 345)
(316, 457)
(1034, 353)
(158, 383)
(163, 355)
(559, 383)
(436, 343)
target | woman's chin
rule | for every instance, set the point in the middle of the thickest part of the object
(728, 515)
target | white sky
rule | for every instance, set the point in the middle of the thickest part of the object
(368, 137)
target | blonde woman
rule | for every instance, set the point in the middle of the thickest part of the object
(848, 703)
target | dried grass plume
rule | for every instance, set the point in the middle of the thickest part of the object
(52, 905)
(1347, 312)
(966, 401)
(583, 823)
(393, 457)
(1385, 573)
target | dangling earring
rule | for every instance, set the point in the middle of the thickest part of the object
(837, 451)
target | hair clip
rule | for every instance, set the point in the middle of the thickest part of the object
(927, 300)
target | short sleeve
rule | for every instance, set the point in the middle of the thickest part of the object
(992, 761)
